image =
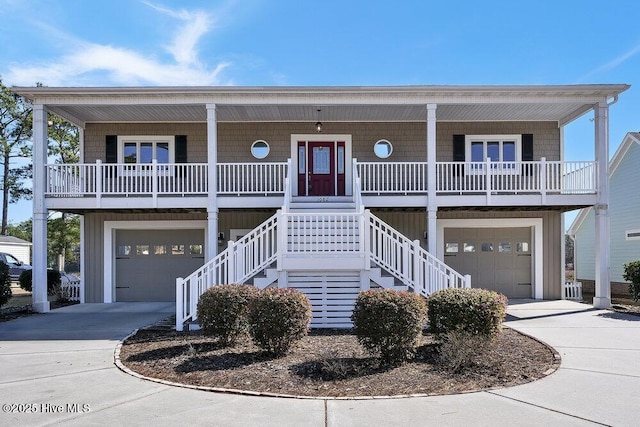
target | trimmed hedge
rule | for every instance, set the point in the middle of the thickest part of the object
(476, 311)
(632, 274)
(5, 284)
(223, 311)
(388, 322)
(278, 318)
(53, 281)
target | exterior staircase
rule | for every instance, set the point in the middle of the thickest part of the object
(329, 249)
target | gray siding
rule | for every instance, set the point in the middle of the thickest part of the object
(624, 214)
(94, 245)
(408, 138)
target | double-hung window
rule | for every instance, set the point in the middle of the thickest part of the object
(503, 151)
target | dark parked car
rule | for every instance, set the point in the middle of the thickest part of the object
(16, 267)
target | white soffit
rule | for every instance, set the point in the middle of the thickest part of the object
(345, 104)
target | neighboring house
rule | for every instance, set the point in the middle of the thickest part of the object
(624, 213)
(20, 249)
(327, 189)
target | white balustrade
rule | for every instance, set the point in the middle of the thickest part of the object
(252, 178)
(393, 177)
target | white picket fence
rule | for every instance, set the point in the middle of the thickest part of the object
(572, 290)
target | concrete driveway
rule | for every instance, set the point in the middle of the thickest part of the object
(58, 368)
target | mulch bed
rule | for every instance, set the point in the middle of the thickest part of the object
(330, 363)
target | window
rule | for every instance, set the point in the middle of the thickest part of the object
(383, 149)
(144, 149)
(487, 247)
(469, 247)
(260, 149)
(504, 247)
(501, 149)
(451, 248)
(632, 234)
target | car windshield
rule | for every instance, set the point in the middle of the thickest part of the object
(11, 259)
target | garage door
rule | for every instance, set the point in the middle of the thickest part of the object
(496, 258)
(148, 262)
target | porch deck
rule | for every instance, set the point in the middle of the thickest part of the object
(112, 186)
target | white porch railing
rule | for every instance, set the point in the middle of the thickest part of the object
(252, 178)
(125, 179)
(310, 235)
(179, 179)
(393, 177)
(540, 177)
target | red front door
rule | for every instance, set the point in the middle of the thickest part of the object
(321, 160)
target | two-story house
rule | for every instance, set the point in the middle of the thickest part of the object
(327, 189)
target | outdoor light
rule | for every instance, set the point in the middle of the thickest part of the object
(220, 238)
(319, 123)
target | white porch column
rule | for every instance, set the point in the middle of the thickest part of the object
(212, 177)
(432, 205)
(603, 285)
(39, 280)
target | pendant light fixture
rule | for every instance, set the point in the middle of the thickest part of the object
(318, 123)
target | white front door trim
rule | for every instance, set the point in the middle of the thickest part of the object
(110, 228)
(320, 137)
(537, 238)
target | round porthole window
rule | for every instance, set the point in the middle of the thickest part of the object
(260, 149)
(383, 148)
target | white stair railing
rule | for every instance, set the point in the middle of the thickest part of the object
(418, 269)
(239, 262)
(312, 234)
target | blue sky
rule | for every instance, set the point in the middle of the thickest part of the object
(330, 42)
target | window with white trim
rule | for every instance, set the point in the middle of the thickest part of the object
(504, 150)
(144, 149)
(632, 234)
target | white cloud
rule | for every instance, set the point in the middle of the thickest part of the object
(98, 64)
(612, 64)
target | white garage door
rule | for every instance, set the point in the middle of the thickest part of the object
(499, 259)
(148, 262)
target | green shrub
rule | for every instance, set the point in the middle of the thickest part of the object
(53, 281)
(632, 274)
(476, 311)
(278, 318)
(5, 284)
(388, 322)
(223, 311)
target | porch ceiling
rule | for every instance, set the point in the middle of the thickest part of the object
(337, 104)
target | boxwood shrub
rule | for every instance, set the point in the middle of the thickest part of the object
(53, 281)
(223, 311)
(278, 318)
(5, 284)
(476, 311)
(388, 322)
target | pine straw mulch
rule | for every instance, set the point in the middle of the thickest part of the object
(330, 363)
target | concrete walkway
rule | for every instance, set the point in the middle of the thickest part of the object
(59, 367)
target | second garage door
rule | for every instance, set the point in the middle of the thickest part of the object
(496, 258)
(148, 262)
